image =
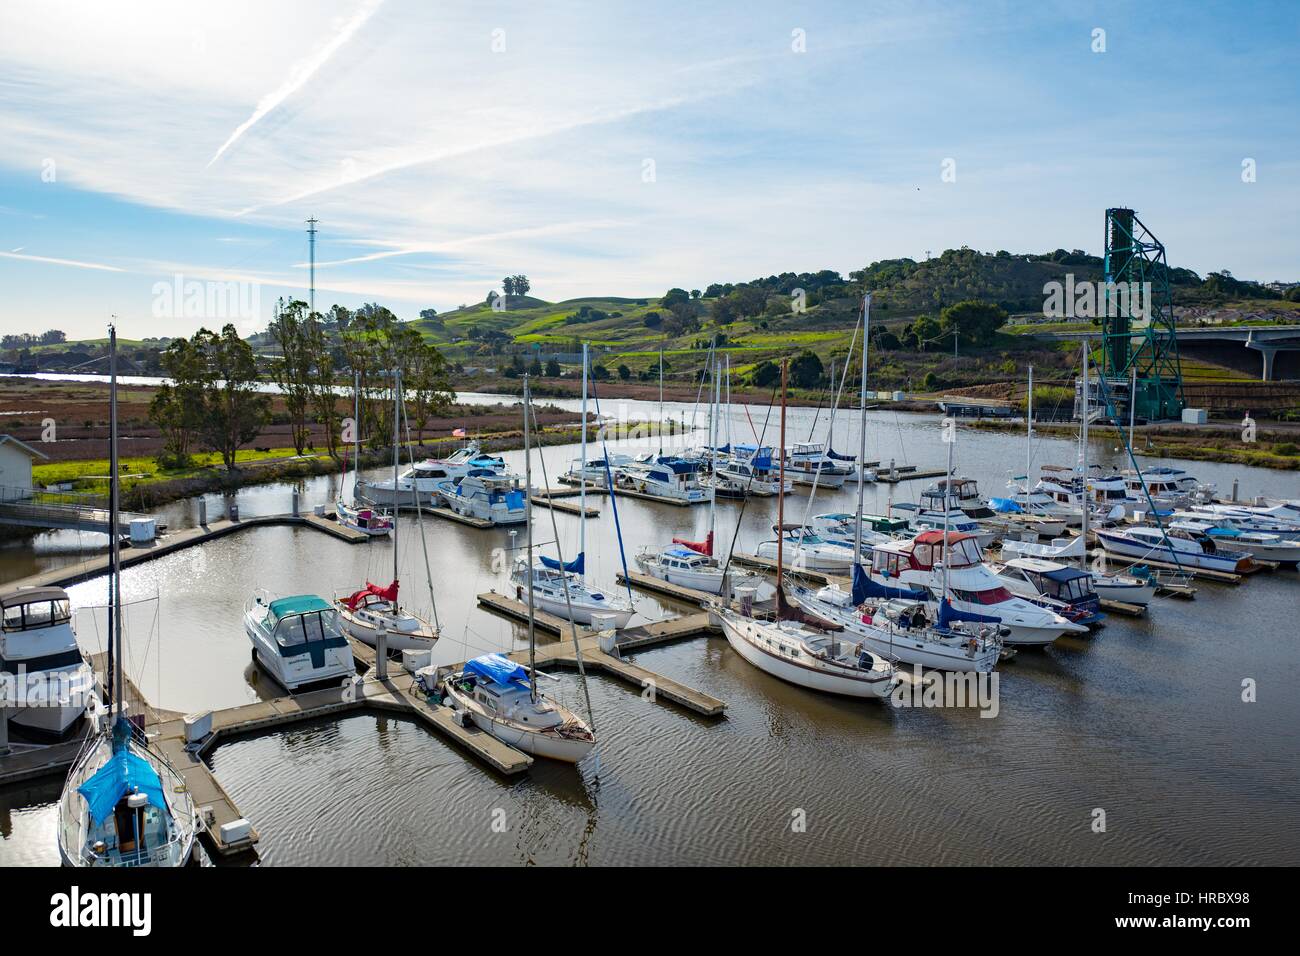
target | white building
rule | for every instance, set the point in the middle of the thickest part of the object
(16, 467)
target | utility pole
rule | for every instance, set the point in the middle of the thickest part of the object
(311, 252)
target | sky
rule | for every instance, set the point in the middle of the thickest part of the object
(613, 148)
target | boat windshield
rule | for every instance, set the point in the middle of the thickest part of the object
(21, 617)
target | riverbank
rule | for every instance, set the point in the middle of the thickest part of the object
(1274, 446)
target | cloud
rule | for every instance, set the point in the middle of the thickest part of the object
(76, 264)
(301, 74)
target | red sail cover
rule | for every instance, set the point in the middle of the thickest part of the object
(389, 594)
(703, 547)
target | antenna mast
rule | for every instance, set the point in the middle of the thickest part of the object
(311, 253)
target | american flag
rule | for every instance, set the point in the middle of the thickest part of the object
(458, 433)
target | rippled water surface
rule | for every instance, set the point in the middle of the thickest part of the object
(1143, 720)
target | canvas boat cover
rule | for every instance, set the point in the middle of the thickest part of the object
(389, 594)
(703, 547)
(498, 669)
(864, 586)
(576, 566)
(124, 773)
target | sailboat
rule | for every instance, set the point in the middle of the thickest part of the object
(122, 804)
(501, 696)
(689, 563)
(356, 514)
(895, 622)
(561, 588)
(371, 609)
(801, 649)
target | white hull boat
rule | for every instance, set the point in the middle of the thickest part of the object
(51, 682)
(584, 604)
(1173, 546)
(298, 640)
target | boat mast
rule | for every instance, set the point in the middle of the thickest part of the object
(582, 473)
(952, 440)
(528, 523)
(1132, 405)
(715, 396)
(397, 444)
(862, 435)
(115, 658)
(661, 400)
(356, 433)
(1029, 432)
(780, 498)
(1083, 459)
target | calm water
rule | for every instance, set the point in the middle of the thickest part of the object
(1143, 720)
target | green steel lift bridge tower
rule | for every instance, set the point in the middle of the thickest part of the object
(1139, 350)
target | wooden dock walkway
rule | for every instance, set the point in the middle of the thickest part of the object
(653, 634)
(554, 502)
(768, 565)
(70, 574)
(907, 473)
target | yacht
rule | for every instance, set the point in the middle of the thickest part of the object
(487, 495)
(298, 640)
(39, 655)
(691, 564)
(595, 471)
(423, 478)
(971, 585)
(922, 517)
(663, 476)
(749, 470)
(1126, 588)
(1264, 545)
(362, 517)
(500, 698)
(807, 461)
(1065, 589)
(807, 551)
(1182, 546)
(899, 625)
(1167, 487)
(560, 590)
(845, 529)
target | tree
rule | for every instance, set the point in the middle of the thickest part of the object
(429, 315)
(973, 321)
(624, 373)
(427, 386)
(522, 285)
(653, 320)
(806, 370)
(177, 408)
(674, 296)
(508, 284)
(234, 412)
(924, 333)
(724, 311)
(765, 374)
(552, 369)
(320, 378)
(599, 373)
(292, 370)
(535, 369)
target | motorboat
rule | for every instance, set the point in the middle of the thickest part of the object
(749, 470)
(487, 495)
(594, 471)
(807, 551)
(967, 583)
(921, 518)
(298, 640)
(1167, 488)
(1263, 545)
(363, 518)
(691, 564)
(1182, 546)
(51, 683)
(1125, 588)
(499, 696)
(806, 462)
(423, 478)
(1066, 589)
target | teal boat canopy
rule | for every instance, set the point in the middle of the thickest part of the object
(299, 604)
(124, 773)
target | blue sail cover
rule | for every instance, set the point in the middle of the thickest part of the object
(831, 453)
(124, 773)
(1005, 506)
(498, 669)
(948, 614)
(576, 566)
(865, 587)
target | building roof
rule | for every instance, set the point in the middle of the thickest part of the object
(10, 439)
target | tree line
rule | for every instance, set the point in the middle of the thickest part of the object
(213, 400)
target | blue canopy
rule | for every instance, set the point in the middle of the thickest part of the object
(864, 587)
(831, 453)
(948, 614)
(1064, 574)
(576, 566)
(498, 669)
(1005, 505)
(124, 773)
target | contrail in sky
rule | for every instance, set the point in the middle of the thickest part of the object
(302, 72)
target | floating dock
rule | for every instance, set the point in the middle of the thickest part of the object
(768, 565)
(654, 634)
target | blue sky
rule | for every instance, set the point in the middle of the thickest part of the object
(444, 147)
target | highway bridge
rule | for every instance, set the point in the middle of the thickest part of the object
(1214, 343)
